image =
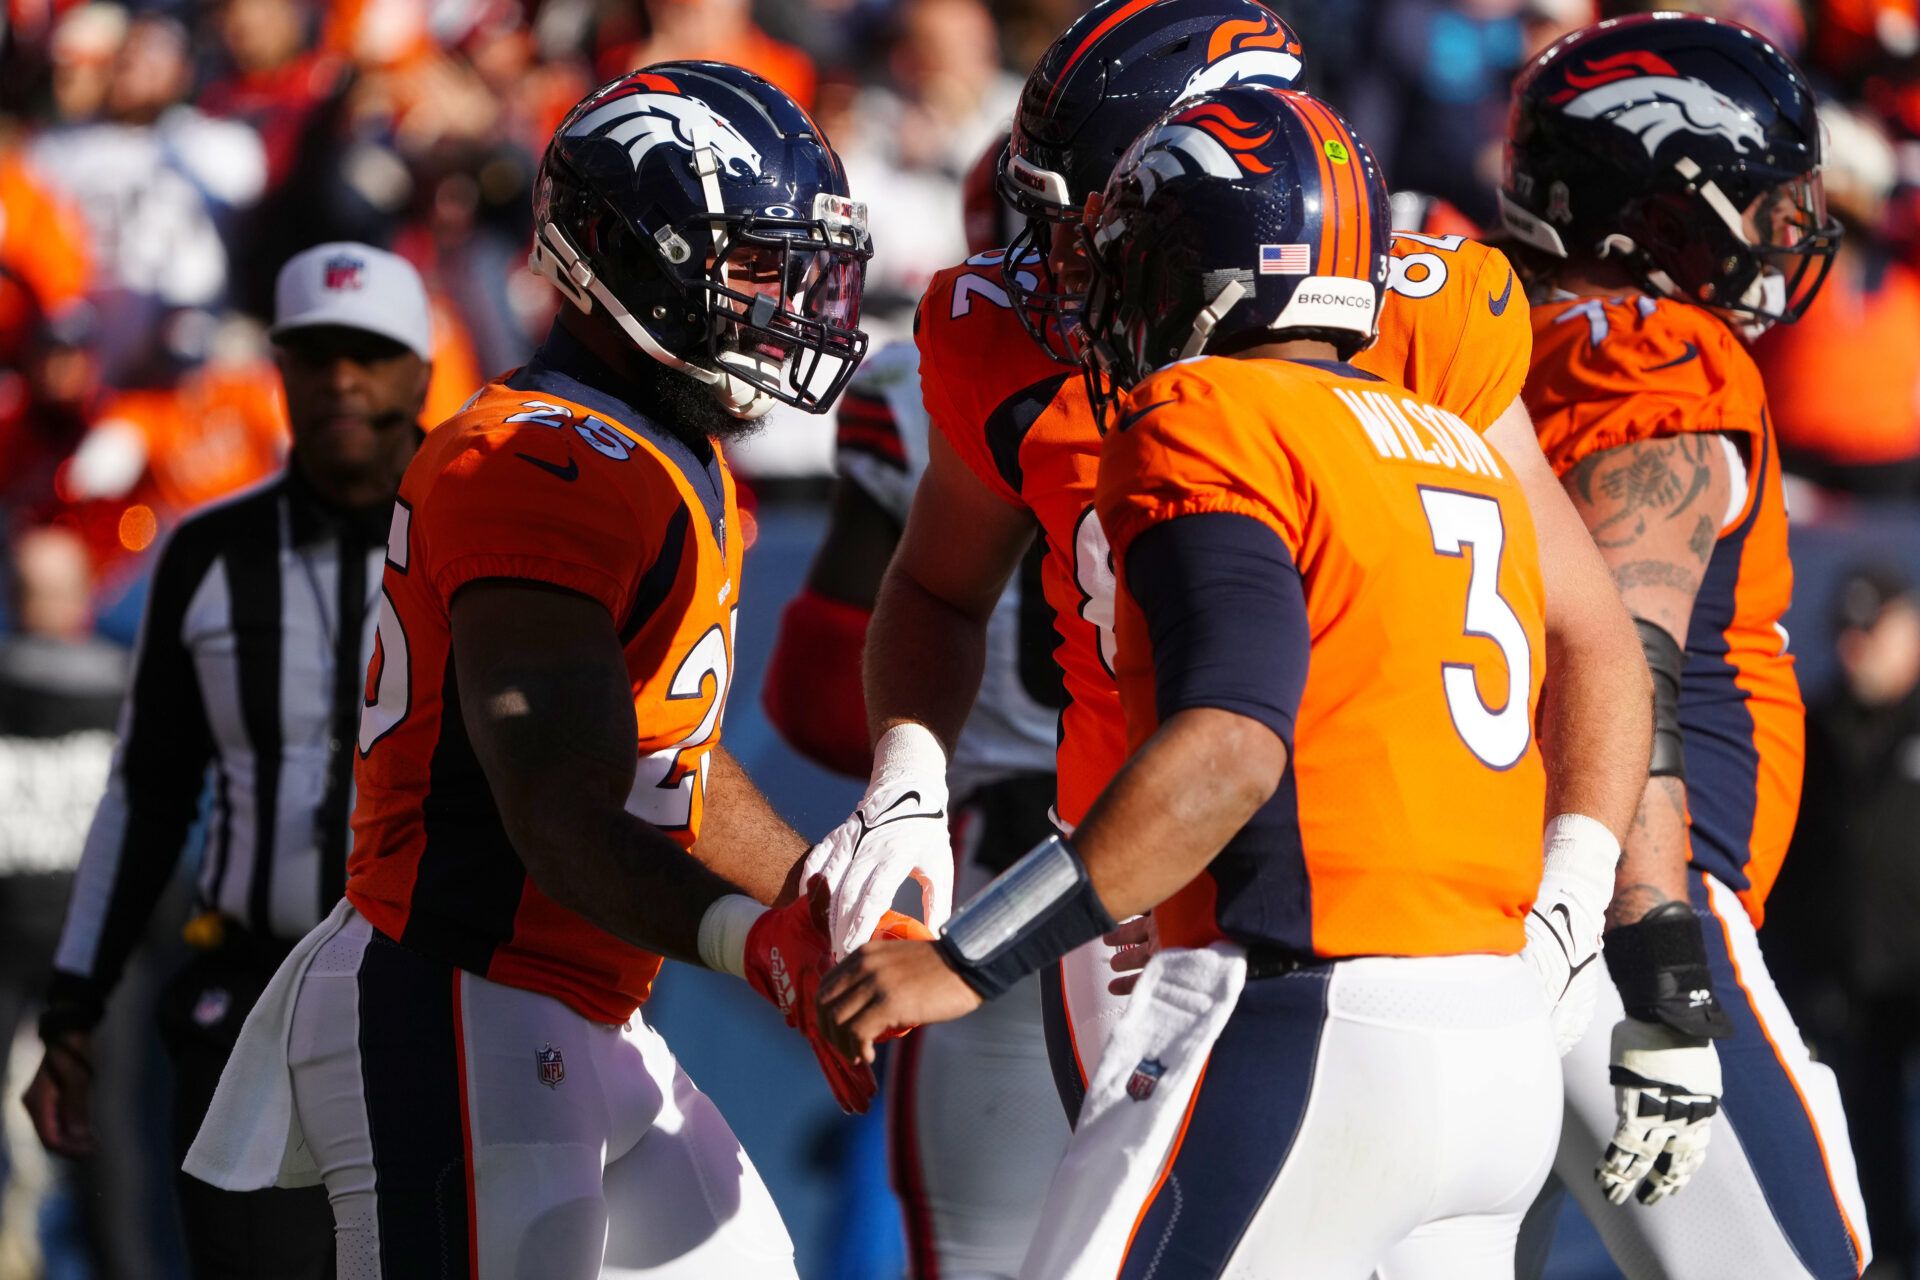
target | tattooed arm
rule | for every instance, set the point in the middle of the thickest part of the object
(1654, 510)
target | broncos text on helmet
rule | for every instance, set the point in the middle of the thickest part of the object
(1686, 148)
(1106, 78)
(700, 210)
(1243, 215)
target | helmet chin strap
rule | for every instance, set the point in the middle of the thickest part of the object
(555, 258)
(1210, 317)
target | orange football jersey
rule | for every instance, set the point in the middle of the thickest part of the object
(1614, 371)
(1022, 423)
(1408, 821)
(1455, 329)
(545, 478)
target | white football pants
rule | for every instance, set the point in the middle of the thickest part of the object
(974, 1125)
(1778, 1197)
(1370, 1116)
(472, 1131)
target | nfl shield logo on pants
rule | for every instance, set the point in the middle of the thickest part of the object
(551, 1066)
(1145, 1076)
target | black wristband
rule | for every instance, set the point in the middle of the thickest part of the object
(64, 1019)
(1665, 662)
(1660, 966)
(1032, 914)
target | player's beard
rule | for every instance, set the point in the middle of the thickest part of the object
(689, 408)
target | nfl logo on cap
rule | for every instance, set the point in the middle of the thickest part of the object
(1145, 1076)
(342, 273)
(347, 285)
(550, 1065)
(1285, 260)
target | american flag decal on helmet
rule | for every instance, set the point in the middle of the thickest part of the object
(1141, 1083)
(1285, 260)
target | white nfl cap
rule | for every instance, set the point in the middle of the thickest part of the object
(354, 286)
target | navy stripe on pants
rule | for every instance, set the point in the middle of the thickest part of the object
(410, 1070)
(1247, 1111)
(1058, 1026)
(1763, 1106)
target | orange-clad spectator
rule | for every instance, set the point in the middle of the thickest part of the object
(44, 266)
(152, 455)
(456, 366)
(1845, 381)
(222, 428)
(377, 33)
(719, 29)
(49, 376)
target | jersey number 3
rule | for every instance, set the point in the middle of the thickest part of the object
(1499, 737)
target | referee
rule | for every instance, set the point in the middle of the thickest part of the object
(249, 676)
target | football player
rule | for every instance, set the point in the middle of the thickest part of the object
(457, 1051)
(973, 1123)
(1328, 642)
(1016, 453)
(1665, 170)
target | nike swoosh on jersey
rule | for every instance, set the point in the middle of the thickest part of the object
(1499, 305)
(1127, 422)
(568, 473)
(1691, 353)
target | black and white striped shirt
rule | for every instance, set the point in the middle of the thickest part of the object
(248, 676)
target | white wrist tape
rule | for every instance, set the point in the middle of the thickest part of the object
(723, 933)
(908, 750)
(1583, 850)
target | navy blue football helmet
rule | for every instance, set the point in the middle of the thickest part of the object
(1106, 78)
(1686, 148)
(1243, 216)
(699, 209)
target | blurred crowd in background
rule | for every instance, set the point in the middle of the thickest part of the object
(159, 159)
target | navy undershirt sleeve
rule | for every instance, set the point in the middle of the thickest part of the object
(1227, 617)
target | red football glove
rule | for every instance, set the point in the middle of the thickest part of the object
(788, 954)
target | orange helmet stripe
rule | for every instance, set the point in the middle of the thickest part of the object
(1351, 182)
(1326, 260)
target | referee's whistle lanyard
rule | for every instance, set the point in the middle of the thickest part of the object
(338, 534)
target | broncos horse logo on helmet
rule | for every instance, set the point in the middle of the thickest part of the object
(1196, 238)
(698, 209)
(645, 111)
(1643, 94)
(1108, 76)
(1686, 148)
(1223, 144)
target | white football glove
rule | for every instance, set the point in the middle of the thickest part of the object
(1666, 1089)
(1563, 929)
(899, 830)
